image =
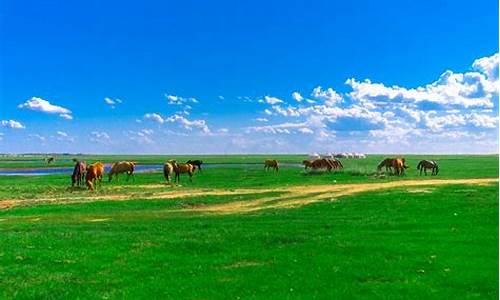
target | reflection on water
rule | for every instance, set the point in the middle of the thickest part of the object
(138, 168)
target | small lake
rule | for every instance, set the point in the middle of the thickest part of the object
(138, 169)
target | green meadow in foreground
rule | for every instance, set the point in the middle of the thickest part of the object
(436, 242)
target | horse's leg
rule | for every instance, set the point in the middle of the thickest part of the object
(425, 171)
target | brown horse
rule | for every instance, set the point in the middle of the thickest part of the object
(423, 165)
(399, 165)
(387, 163)
(183, 168)
(168, 169)
(78, 174)
(122, 167)
(95, 172)
(336, 164)
(307, 164)
(271, 164)
(321, 163)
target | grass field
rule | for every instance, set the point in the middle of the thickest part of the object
(242, 233)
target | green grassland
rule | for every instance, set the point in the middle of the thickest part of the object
(437, 242)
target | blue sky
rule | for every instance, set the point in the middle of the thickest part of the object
(249, 77)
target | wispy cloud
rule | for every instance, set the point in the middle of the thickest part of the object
(189, 124)
(99, 136)
(112, 102)
(64, 136)
(178, 100)
(272, 100)
(12, 124)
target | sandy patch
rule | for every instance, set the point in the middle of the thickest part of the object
(99, 220)
(416, 191)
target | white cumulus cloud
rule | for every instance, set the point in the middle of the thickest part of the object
(39, 104)
(155, 117)
(297, 96)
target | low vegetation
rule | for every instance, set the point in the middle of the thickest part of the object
(416, 242)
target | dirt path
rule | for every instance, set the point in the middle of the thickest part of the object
(303, 195)
(289, 197)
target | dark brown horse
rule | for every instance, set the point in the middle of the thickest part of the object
(78, 173)
(387, 163)
(271, 164)
(423, 165)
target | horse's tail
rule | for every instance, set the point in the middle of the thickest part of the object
(166, 172)
(419, 165)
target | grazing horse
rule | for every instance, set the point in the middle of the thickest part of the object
(197, 163)
(51, 160)
(399, 165)
(78, 174)
(94, 173)
(168, 169)
(307, 164)
(271, 164)
(336, 164)
(98, 170)
(183, 168)
(387, 163)
(321, 163)
(122, 167)
(423, 165)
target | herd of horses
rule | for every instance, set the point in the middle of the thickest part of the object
(93, 173)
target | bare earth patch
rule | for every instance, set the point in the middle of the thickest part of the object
(99, 220)
(417, 191)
